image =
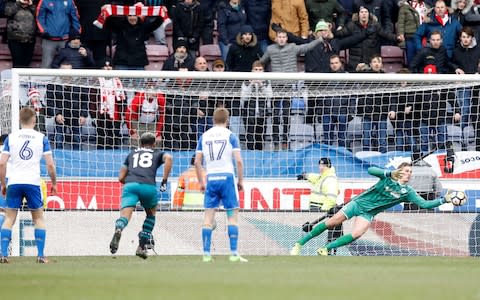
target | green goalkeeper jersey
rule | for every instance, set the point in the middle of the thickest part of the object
(388, 192)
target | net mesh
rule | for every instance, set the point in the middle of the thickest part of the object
(285, 124)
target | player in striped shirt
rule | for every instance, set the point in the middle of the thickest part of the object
(23, 150)
(220, 148)
(389, 191)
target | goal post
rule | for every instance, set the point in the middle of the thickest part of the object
(285, 122)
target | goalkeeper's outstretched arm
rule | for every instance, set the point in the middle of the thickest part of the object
(422, 203)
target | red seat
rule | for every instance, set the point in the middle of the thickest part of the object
(393, 58)
(210, 52)
(157, 53)
(5, 52)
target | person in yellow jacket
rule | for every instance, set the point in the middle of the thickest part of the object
(323, 197)
(189, 194)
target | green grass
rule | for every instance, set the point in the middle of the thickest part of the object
(275, 277)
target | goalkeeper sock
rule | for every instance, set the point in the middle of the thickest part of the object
(233, 235)
(315, 231)
(207, 239)
(5, 237)
(40, 240)
(121, 223)
(341, 241)
(148, 224)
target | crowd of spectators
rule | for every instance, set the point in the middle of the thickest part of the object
(252, 35)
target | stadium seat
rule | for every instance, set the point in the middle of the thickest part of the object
(393, 58)
(210, 52)
(154, 66)
(5, 52)
(157, 52)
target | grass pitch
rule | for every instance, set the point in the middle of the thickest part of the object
(275, 277)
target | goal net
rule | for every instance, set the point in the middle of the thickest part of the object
(285, 123)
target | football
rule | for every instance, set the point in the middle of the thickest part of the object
(457, 198)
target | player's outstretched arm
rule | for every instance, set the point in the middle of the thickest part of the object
(422, 203)
(378, 172)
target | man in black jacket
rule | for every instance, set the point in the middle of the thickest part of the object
(68, 104)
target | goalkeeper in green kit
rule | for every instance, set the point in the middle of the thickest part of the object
(389, 191)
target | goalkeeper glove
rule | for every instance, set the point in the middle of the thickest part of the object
(447, 197)
(396, 174)
(163, 186)
(302, 176)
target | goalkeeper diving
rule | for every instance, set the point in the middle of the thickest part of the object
(389, 191)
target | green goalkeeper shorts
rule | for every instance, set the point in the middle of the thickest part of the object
(134, 192)
(352, 209)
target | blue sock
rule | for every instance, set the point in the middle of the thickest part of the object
(121, 223)
(207, 239)
(5, 236)
(233, 235)
(2, 218)
(40, 240)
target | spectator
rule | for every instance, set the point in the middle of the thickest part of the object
(244, 51)
(107, 106)
(460, 9)
(209, 8)
(201, 64)
(75, 53)
(256, 97)
(68, 104)
(231, 18)
(259, 13)
(21, 30)
(283, 55)
(472, 17)
(317, 60)
(403, 123)
(442, 22)
(218, 66)
(466, 52)
(146, 113)
(375, 110)
(363, 51)
(377, 9)
(131, 33)
(55, 20)
(409, 19)
(291, 15)
(188, 23)
(431, 110)
(180, 58)
(36, 102)
(336, 111)
(328, 10)
(94, 38)
(181, 113)
(160, 33)
(431, 59)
